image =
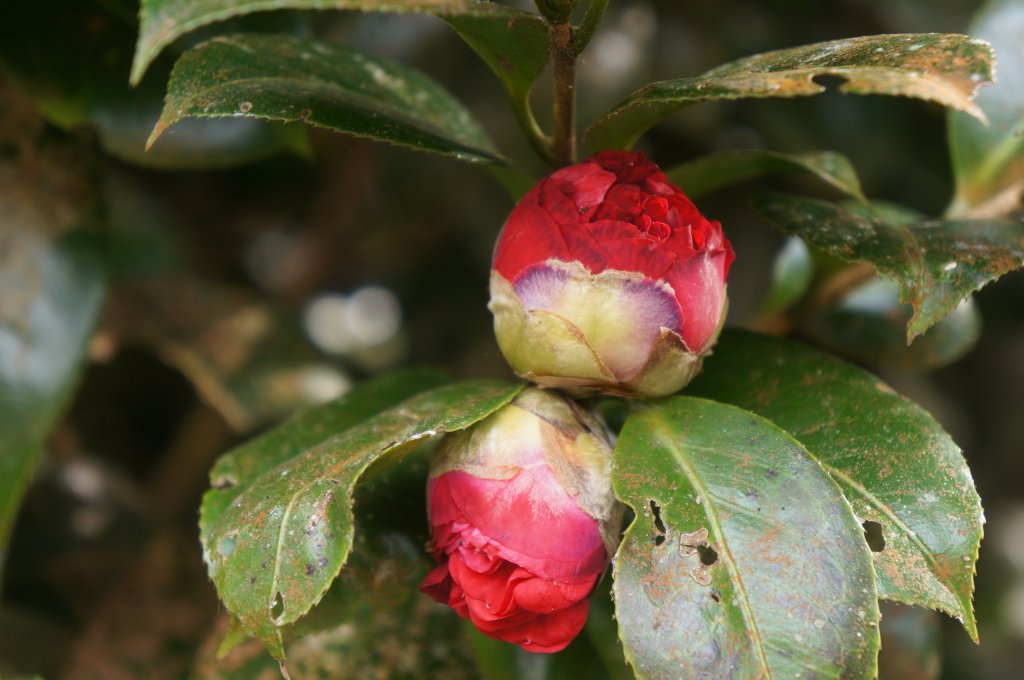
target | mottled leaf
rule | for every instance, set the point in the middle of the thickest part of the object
(869, 324)
(744, 560)
(294, 79)
(274, 543)
(896, 465)
(947, 69)
(52, 285)
(988, 161)
(936, 263)
(708, 174)
(373, 621)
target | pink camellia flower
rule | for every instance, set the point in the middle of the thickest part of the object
(523, 520)
(607, 279)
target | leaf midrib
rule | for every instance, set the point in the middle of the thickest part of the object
(661, 430)
(922, 547)
(327, 86)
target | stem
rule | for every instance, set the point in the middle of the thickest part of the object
(585, 31)
(563, 61)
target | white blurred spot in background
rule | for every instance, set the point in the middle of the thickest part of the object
(364, 326)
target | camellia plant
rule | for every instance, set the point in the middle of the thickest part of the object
(655, 497)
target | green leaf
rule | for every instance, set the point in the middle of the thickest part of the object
(52, 287)
(869, 325)
(947, 69)
(988, 161)
(373, 621)
(73, 58)
(744, 560)
(274, 77)
(895, 464)
(513, 43)
(51, 294)
(276, 538)
(708, 174)
(792, 274)
(936, 263)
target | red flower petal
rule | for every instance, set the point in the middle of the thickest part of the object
(529, 518)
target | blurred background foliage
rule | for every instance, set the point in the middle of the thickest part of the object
(254, 268)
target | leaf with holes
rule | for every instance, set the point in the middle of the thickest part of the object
(988, 160)
(947, 69)
(744, 560)
(708, 174)
(896, 465)
(276, 77)
(937, 263)
(276, 539)
(375, 601)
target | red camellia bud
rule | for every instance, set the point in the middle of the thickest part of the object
(523, 520)
(607, 279)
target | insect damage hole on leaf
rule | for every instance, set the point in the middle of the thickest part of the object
(708, 555)
(277, 606)
(829, 81)
(873, 535)
(658, 523)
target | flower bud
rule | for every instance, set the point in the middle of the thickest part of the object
(523, 520)
(607, 279)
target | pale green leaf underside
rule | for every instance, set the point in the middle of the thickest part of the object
(281, 78)
(789, 589)
(988, 160)
(946, 69)
(896, 465)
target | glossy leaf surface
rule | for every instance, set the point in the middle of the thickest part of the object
(744, 560)
(988, 161)
(52, 287)
(279, 78)
(716, 171)
(894, 463)
(513, 43)
(936, 263)
(51, 293)
(276, 538)
(946, 69)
